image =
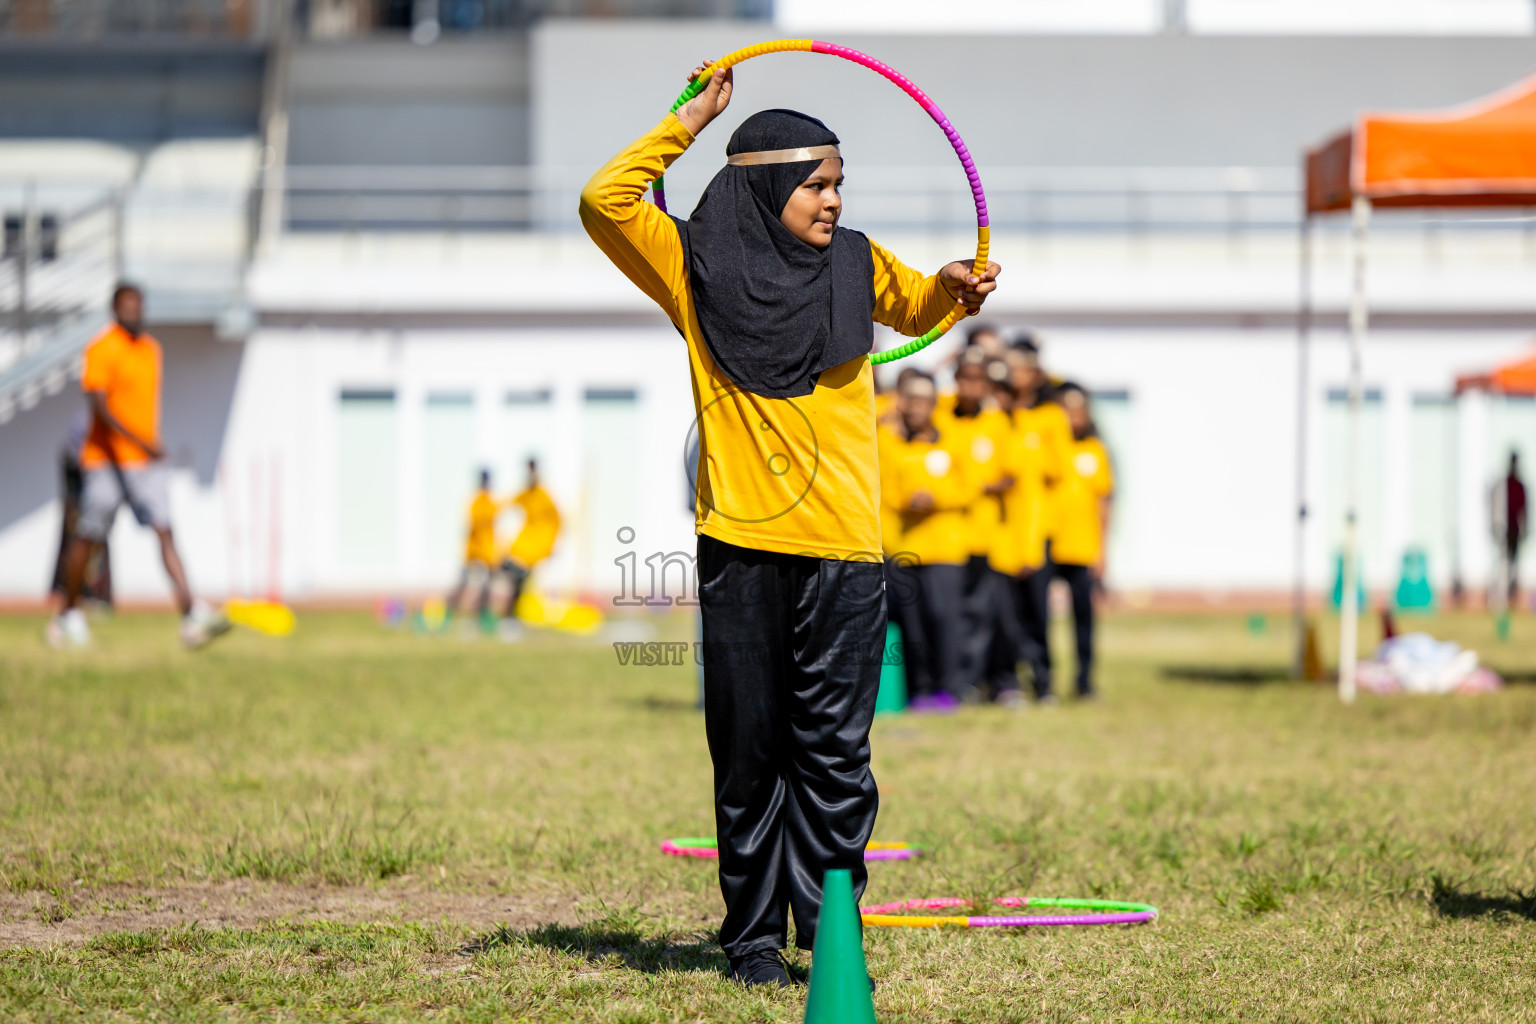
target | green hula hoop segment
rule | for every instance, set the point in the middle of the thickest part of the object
(983, 224)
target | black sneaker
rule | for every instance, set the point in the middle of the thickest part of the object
(761, 967)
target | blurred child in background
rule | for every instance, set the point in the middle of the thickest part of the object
(932, 490)
(541, 527)
(979, 430)
(1081, 523)
(1035, 460)
(479, 550)
(903, 590)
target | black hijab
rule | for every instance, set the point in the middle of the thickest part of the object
(775, 311)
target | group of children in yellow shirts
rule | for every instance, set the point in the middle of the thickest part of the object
(988, 495)
(483, 559)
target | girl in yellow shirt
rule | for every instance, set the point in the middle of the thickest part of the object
(533, 544)
(1034, 460)
(934, 488)
(479, 550)
(1081, 522)
(776, 304)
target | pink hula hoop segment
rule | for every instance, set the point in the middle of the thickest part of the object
(706, 848)
(983, 224)
(888, 915)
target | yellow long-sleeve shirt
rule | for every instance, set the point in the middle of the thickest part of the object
(939, 535)
(541, 527)
(480, 544)
(791, 475)
(1077, 535)
(1035, 457)
(892, 446)
(984, 438)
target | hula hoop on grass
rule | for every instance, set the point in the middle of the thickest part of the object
(983, 228)
(887, 915)
(701, 847)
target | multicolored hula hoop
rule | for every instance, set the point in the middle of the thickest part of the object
(707, 848)
(888, 915)
(983, 230)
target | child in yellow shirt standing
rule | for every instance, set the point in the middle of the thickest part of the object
(903, 588)
(1081, 523)
(1034, 462)
(479, 550)
(535, 541)
(980, 430)
(933, 490)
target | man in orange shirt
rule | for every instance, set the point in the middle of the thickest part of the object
(123, 464)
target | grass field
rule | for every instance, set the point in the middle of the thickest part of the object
(360, 825)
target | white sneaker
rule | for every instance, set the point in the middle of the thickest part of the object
(509, 631)
(69, 630)
(202, 625)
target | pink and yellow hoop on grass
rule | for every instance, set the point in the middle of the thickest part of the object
(705, 847)
(983, 230)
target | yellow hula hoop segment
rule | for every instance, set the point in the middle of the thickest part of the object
(983, 225)
(1105, 912)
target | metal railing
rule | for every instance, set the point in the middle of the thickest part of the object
(425, 19)
(66, 246)
(1130, 202)
(57, 266)
(99, 19)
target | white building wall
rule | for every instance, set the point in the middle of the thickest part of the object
(1206, 482)
(288, 409)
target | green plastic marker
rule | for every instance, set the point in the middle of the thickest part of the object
(839, 980)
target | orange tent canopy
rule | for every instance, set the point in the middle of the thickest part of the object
(1516, 378)
(1482, 154)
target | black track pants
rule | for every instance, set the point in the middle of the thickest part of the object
(517, 576)
(1033, 593)
(978, 623)
(943, 589)
(792, 651)
(1080, 581)
(904, 598)
(1010, 644)
(995, 641)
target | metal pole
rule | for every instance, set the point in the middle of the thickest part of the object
(118, 199)
(23, 261)
(1349, 611)
(1303, 386)
(273, 190)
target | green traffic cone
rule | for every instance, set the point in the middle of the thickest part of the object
(891, 698)
(839, 980)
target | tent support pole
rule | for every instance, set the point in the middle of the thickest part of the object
(1303, 354)
(1349, 609)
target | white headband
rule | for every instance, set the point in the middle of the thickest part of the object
(783, 156)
